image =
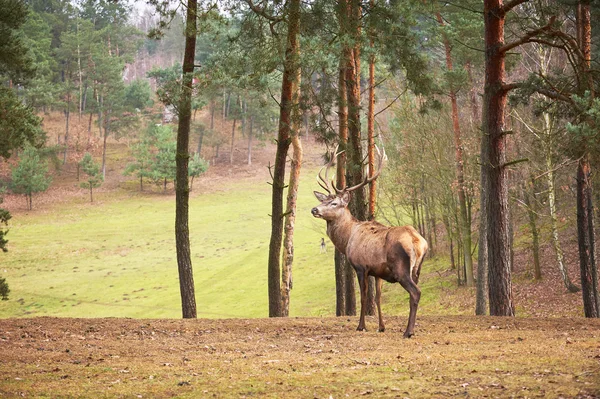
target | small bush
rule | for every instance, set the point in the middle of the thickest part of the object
(4, 290)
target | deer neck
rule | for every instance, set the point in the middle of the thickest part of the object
(340, 230)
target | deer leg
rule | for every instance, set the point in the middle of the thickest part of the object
(415, 294)
(363, 284)
(378, 284)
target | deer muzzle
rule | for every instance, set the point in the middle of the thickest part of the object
(315, 212)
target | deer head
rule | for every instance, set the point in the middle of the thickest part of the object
(334, 203)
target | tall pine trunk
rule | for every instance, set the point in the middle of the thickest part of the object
(182, 190)
(250, 133)
(585, 208)
(106, 122)
(494, 145)
(354, 167)
(81, 100)
(232, 141)
(67, 117)
(344, 273)
(585, 235)
(291, 65)
(371, 124)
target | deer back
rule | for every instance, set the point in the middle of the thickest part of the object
(367, 243)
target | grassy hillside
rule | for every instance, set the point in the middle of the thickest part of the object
(116, 258)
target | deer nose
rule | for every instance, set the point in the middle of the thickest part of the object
(314, 211)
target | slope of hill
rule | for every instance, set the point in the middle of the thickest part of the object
(116, 257)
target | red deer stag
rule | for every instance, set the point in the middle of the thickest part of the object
(394, 254)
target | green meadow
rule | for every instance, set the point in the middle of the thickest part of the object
(116, 257)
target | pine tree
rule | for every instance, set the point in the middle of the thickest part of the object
(142, 167)
(196, 167)
(4, 218)
(4, 290)
(164, 167)
(92, 170)
(30, 176)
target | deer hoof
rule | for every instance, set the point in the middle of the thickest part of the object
(361, 328)
(408, 334)
(381, 329)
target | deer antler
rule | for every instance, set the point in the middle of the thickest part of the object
(366, 179)
(324, 181)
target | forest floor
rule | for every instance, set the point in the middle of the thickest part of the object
(452, 356)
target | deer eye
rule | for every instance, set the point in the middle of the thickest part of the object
(334, 204)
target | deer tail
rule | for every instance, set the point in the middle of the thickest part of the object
(419, 263)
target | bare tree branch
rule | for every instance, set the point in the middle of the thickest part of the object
(390, 104)
(512, 4)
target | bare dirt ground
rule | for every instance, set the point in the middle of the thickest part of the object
(300, 358)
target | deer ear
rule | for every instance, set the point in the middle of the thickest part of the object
(320, 196)
(346, 196)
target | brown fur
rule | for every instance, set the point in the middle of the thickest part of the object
(393, 254)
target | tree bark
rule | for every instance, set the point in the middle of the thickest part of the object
(105, 121)
(585, 208)
(250, 133)
(232, 141)
(481, 304)
(67, 117)
(585, 235)
(81, 101)
(344, 273)
(496, 193)
(291, 65)
(182, 191)
(354, 168)
(292, 194)
(290, 218)
(371, 125)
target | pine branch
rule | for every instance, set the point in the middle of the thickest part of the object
(262, 12)
(528, 36)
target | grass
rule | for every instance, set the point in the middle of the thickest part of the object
(116, 258)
